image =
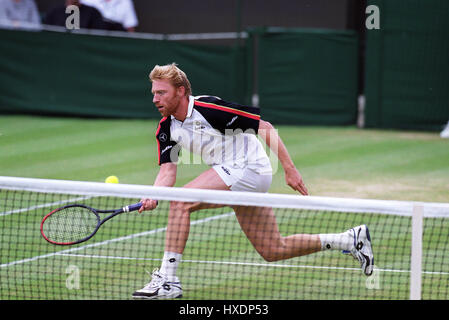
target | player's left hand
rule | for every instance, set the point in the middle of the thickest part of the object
(147, 204)
(294, 180)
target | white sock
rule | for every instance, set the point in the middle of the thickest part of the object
(336, 241)
(170, 263)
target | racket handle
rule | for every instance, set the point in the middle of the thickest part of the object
(132, 207)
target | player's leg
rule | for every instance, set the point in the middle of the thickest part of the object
(164, 283)
(179, 215)
(260, 226)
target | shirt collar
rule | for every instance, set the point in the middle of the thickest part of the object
(189, 108)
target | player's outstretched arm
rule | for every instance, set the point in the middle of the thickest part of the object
(165, 178)
(292, 176)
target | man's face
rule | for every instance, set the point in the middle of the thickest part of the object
(165, 97)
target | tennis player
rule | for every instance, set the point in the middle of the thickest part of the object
(225, 135)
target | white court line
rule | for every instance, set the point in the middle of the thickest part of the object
(253, 264)
(45, 205)
(96, 244)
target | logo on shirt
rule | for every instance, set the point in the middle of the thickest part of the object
(166, 148)
(226, 170)
(198, 126)
(163, 137)
(232, 121)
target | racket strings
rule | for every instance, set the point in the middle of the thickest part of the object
(70, 224)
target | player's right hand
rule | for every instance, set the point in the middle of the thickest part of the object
(294, 180)
(147, 204)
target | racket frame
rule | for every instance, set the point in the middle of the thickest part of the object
(96, 212)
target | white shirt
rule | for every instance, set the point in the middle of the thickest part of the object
(121, 11)
(215, 132)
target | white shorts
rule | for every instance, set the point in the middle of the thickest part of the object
(243, 179)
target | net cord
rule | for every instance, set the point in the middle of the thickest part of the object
(391, 207)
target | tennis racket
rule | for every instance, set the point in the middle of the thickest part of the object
(76, 223)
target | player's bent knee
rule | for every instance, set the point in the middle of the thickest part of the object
(270, 257)
(272, 253)
(182, 207)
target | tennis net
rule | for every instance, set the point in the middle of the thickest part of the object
(409, 239)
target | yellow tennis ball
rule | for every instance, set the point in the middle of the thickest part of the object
(111, 179)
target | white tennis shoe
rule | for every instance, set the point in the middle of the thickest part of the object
(160, 288)
(361, 249)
